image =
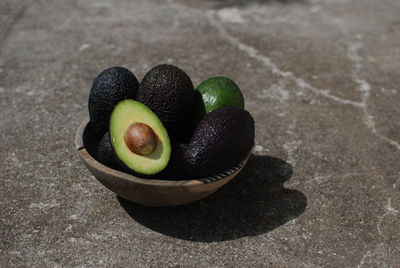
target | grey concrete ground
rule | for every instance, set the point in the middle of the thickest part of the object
(320, 77)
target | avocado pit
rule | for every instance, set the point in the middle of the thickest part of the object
(140, 138)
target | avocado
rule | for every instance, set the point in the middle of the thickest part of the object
(214, 93)
(168, 92)
(221, 140)
(109, 87)
(105, 153)
(138, 138)
(174, 169)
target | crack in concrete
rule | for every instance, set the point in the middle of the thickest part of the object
(364, 85)
(389, 210)
(252, 52)
(362, 261)
(255, 54)
(292, 146)
(365, 88)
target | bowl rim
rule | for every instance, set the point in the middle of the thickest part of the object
(91, 161)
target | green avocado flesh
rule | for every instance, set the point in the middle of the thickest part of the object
(126, 113)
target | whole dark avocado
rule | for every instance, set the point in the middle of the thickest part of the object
(109, 87)
(222, 139)
(105, 154)
(168, 92)
(174, 169)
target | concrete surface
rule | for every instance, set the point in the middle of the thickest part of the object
(320, 77)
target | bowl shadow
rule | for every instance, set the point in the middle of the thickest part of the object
(253, 203)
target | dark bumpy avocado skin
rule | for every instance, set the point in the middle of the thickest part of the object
(105, 154)
(168, 92)
(222, 139)
(111, 86)
(174, 169)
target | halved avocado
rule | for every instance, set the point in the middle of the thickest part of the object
(139, 139)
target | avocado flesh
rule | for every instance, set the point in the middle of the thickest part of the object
(126, 113)
(109, 87)
(168, 92)
(222, 139)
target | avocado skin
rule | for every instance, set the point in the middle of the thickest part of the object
(105, 153)
(106, 156)
(109, 87)
(168, 92)
(174, 169)
(222, 139)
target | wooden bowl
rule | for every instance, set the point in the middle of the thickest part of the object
(148, 192)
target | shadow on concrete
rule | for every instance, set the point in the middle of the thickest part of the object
(253, 203)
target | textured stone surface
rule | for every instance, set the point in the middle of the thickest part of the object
(321, 79)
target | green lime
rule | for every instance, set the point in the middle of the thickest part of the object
(214, 93)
